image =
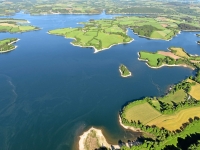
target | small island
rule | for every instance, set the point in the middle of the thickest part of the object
(198, 35)
(124, 71)
(198, 42)
(6, 45)
(176, 56)
(15, 25)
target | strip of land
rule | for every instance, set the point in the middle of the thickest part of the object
(6, 45)
(15, 25)
(176, 57)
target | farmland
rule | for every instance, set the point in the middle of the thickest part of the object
(142, 112)
(102, 34)
(15, 25)
(7, 45)
(177, 56)
(175, 121)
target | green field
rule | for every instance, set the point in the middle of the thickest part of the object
(151, 58)
(5, 45)
(176, 97)
(124, 71)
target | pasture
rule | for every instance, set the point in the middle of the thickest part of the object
(143, 112)
(151, 57)
(176, 97)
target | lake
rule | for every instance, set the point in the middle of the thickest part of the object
(51, 92)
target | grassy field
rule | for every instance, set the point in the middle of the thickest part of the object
(176, 97)
(151, 57)
(175, 121)
(143, 112)
(179, 52)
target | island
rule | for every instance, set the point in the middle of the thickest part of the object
(198, 42)
(15, 25)
(103, 34)
(124, 71)
(176, 56)
(6, 45)
(198, 35)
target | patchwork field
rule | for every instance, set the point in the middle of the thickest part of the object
(175, 121)
(143, 112)
(109, 32)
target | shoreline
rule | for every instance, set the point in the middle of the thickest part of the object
(128, 127)
(163, 65)
(12, 48)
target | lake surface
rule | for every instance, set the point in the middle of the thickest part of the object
(51, 92)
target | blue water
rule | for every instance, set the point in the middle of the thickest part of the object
(51, 92)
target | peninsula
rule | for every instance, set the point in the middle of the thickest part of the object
(169, 118)
(124, 71)
(15, 25)
(103, 34)
(94, 139)
(6, 45)
(175, 57)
